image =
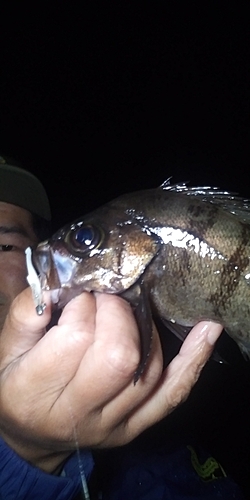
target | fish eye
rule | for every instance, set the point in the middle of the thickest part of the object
(84, 238)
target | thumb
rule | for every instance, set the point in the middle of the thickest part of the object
(23, 328)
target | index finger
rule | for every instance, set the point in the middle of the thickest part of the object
(111, 360)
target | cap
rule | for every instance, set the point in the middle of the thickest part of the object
(21, 188)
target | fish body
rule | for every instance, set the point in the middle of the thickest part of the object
(181, 253)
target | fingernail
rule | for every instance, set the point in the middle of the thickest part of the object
(213, 332)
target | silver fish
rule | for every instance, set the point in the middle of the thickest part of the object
(181, 253)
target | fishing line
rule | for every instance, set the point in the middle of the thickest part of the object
(85, 490)
(35, 285)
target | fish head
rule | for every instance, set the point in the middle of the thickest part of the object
(100, 254)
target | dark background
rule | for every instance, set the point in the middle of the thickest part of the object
(101, 99)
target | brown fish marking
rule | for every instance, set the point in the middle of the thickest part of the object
(181, 265)
(201, 219)
(231, 273)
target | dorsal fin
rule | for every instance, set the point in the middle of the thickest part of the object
(229, 201)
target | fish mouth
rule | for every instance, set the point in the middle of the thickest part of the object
(45, 266)
(56, 272)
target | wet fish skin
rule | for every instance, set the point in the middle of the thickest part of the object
(185, 252)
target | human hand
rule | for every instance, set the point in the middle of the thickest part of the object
(75, 383)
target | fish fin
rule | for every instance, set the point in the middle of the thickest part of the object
(203, 192)
(245, 352)
(228, 201)
(143, 316)
(215, 356)
(244, 348)
(181, 333)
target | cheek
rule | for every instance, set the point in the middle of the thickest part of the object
(3, 314)
(12, 276)
(16, 284)
(12, 280)
(10, 286)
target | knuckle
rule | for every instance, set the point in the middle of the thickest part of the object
(180, 396)
(122, 359)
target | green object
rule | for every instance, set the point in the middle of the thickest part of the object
(209, 470)
(21, 188)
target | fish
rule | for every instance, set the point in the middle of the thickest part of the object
(175, 252)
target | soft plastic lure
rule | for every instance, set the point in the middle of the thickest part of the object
(34, 282)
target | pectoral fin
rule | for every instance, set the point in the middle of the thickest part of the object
(243, 345)
(139, 299)
(181, 333)
(144, 320)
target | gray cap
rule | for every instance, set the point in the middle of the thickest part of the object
(21, 188)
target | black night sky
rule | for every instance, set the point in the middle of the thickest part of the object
(102, 99)
(99, 99)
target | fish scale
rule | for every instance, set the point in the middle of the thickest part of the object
(181, 253)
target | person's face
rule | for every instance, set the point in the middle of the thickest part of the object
(16, 234)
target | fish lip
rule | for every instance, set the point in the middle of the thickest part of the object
(56, 271)
(44, 264)
(41, 257)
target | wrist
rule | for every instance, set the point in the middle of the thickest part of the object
(20, 479)
(47, 460)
